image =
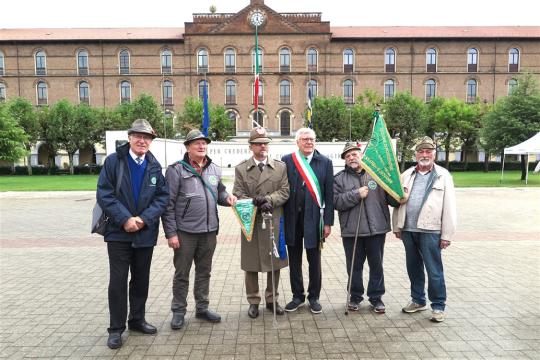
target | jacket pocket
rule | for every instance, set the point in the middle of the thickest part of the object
(186, 208)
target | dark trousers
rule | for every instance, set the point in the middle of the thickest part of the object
(372, 248)
(295, 266)
(195, 249)
(122, 259)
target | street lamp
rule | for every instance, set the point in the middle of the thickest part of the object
(167, 113)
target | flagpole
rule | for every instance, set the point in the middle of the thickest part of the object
(353, 256)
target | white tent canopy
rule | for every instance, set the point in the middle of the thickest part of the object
(528, 147)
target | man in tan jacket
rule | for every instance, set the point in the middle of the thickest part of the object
(426, 224)
(265, 181)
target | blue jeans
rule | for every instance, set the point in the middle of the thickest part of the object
(372, 248)
(423, 250)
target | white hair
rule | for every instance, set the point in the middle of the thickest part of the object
(303, 131)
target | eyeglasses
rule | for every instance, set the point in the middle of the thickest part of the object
(141, 137)
(306, 140)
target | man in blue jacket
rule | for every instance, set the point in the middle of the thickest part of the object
(309, 215)
(133, 226)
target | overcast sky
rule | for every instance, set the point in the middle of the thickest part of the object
(173, 13)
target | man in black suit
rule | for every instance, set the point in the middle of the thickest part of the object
(309, 215)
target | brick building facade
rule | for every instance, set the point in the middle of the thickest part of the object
(104, 67)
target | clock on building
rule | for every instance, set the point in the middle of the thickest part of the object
(256, 17)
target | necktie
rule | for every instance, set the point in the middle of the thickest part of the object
(138, 160)
(261, 166)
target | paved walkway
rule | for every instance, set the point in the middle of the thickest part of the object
(53, 292)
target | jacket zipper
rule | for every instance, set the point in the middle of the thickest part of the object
(186, 208)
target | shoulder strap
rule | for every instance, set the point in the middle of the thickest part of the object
(119, 178)
(194, 172)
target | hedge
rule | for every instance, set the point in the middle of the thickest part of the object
(45, 170)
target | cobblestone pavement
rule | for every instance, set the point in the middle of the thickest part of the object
(53, 292)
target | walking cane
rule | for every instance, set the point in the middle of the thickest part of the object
(353, 255)
(273, 251)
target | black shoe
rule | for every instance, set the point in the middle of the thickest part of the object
(279, 309)
(143, 327)
(208, 315)
(177, 321)
(294, 305)
(315, 306)
(115, 340)
(253, 311)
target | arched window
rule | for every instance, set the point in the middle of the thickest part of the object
(471, 91)
(285, 123)
(313, 88)
(84, 93)
(166, 62)
(258, 118)
(285, 92)
(284, 60)
(390, 60)
(230, 60)
(202, 85)
(124, 62)
(312, 60)
(41, 63)
(513, 60)
(348, 91)
(42, 96)
(472, 60)
(259, 57)
(202, 61)
(431, 60)
(348, 60)
(512, 85)
(2, 69)
(167, 92)
(82, 62)
(125, 92)
(230, 92)
(431, 88)
(2, 92)
(389, 89)
(231, 115)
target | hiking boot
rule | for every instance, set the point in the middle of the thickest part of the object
(437, 316)
(378, 306)
(294, 305)
(413, 307)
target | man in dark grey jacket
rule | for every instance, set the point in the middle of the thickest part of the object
(191, 223)
(357, 197)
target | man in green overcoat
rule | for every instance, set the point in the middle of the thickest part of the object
(264, 180)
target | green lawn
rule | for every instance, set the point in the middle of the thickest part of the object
(88, 182)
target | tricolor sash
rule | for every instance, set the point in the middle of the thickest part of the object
(312, 183)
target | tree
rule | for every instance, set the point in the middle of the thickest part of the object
(12, 137)
(48, 134)
(22, 111)
(430, 109)
(72, 128)
(221, 126)
(451, 119)
(362, 114)
(514, 119)
(404, 116)
(330, 118)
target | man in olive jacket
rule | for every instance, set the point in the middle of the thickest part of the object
(265, 181)
(191, 223)
(357, 197)
(133, 227)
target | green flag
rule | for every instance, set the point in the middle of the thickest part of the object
(245, 213)
(380, 159)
